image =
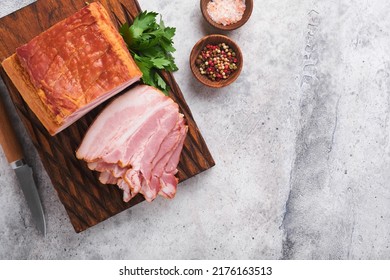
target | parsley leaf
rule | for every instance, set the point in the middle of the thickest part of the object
(151, 45)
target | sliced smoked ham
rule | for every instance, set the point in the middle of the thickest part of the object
(136, 143)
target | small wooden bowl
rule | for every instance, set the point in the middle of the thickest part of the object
(214, 40)
(245, 17)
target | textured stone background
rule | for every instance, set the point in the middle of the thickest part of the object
(301, 142)
(9, 6)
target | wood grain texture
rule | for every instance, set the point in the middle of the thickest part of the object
(86, 200)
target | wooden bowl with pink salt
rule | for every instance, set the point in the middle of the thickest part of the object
(226, 15)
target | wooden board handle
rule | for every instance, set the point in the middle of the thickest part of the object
(8, 140)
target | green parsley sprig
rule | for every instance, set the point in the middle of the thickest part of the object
(151, 45)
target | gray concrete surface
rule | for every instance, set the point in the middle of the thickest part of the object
(9, 6)
(301, 142)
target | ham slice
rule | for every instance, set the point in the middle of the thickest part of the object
(136, 143)
(107, 178)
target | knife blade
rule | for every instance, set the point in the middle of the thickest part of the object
(14, 154)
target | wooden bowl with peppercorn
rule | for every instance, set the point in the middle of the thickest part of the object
(226, 15)
(216, 61)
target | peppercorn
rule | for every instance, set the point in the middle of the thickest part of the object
(217, 62)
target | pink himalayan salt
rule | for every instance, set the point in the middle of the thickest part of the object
(226, 12)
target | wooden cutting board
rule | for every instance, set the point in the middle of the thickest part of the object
(86, 200)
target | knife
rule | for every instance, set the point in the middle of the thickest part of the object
(14, 154)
